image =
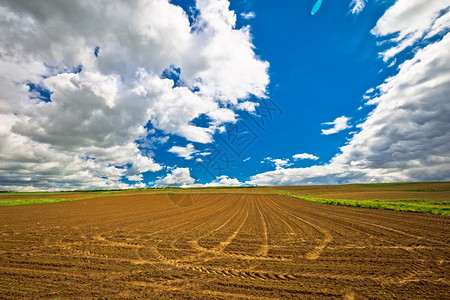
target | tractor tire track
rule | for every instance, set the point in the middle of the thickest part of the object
(327, 237)
(265, 245)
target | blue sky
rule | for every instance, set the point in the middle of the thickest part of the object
(190, 93)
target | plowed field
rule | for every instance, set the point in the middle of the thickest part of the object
(244, 244)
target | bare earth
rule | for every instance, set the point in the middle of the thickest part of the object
(243, 244)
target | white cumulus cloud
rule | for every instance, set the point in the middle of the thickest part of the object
(135, 177)
(304, 156)
(180, 177)
(408, 21)
(338, 124)
(224, 181)
(184, 152)
(278, 162)
(248, 15)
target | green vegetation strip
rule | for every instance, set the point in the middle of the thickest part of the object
(19, 202)
(6, 193)
(396, 206)
(97, 194)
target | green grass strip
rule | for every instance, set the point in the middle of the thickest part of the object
(396, 206)
(3, 193)
(19, 202)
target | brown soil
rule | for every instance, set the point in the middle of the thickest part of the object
(221, 246)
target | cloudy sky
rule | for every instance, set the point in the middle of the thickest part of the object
(125, 94)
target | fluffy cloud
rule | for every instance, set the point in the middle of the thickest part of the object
(29, 165)
(408, 21)
(407, 135)
(312, 175)
(107, 75)
(247, 106)
(278, 162)
(177, 177)
(136, 177)
(339, 124)
(224, 181)
(304, 156)
(184, 152)
(249, 15)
